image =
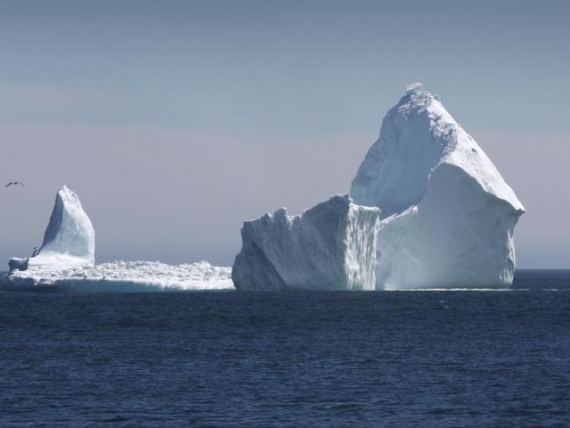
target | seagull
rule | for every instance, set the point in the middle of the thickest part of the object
(14, 183)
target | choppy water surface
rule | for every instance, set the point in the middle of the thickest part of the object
(230, 359)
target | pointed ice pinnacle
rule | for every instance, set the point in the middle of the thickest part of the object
(448, 215)
(69, 239)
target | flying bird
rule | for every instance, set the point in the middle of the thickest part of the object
(14, 183)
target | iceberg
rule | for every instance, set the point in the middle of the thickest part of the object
(69, 239)
(447, 215)
(66, 261)
(331, 246)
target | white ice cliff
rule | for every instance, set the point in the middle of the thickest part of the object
(331, 246)
(448, 217)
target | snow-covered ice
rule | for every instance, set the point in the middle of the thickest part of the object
(138, 276)
(448, 217)
(331, 246)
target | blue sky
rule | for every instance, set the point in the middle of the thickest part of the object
(177, 120)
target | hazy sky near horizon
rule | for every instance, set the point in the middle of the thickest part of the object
(175, 121)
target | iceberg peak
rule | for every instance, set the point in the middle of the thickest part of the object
(417, 136)
(69, 239)
(448, 215)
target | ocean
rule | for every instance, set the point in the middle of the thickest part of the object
(293, 359)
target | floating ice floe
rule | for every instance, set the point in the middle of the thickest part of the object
(120, 276)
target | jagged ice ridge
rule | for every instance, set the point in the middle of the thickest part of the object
(331, 246)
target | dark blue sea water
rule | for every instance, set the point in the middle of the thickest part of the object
(231, 359)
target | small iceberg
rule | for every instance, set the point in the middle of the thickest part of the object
(66, 261)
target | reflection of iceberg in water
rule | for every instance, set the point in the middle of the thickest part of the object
(66, 260)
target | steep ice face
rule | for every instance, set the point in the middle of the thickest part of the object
(448, 216)
(69, 239)
(331, 246)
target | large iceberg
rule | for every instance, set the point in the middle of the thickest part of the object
(331, 246)
(448, 217)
